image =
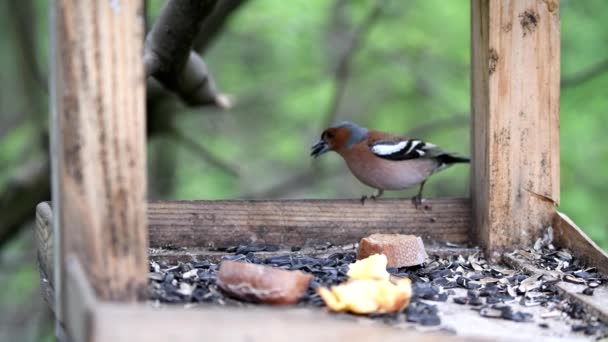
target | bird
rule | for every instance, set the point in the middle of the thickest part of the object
(384, 161)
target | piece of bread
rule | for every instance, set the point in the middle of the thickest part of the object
(400, 250)
(262, 284)
(372, 267)
(368, 296)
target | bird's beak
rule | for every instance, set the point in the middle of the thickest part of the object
(319, 148)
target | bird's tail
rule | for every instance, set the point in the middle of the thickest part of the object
(447, 158)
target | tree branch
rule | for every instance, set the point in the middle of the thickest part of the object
(25, 28)
(168, 56)
(215, 23)
(170, 39)
(342, 71)
(585, 75)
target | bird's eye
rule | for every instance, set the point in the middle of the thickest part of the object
(329, 135)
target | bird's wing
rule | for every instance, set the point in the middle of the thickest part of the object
(404, 149)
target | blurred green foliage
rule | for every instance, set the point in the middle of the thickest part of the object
(412, 69)
(277, 58)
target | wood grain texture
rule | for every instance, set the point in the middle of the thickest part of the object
(98, 143)
(195, 254)
(568, 235)
(120, 323)
(44, 239)
(47, 291)
(45, 252)
(450, 224)
(80, 304)
(515, 127)
(213, 224)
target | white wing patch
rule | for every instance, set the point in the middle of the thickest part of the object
(412, 145)
(384, 150)
(403, 150)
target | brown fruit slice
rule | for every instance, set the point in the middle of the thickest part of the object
(262, 284)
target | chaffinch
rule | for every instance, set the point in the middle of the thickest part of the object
(384, 161)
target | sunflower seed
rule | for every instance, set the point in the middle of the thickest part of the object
(551, 314)
(573, 279)
(156, 276)
(190, 274)
(588, 291)
(530, 283)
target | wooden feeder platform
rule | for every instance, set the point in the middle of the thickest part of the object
(97, 236)
(312, 228)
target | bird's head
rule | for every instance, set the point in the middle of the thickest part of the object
(340, 136)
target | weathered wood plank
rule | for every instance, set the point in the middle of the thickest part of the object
(98, 144)
(119, 323)
(80, 304)
(515, 126)
(44, 240)
(568, 235)
(47, 291)
(596, 304)
(182, 225)
(302, 222)
(195, 254)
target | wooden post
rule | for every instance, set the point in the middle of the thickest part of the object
(515, 48)
(98, 146)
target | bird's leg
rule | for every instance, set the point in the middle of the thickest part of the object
(418, 198)
(377, 194)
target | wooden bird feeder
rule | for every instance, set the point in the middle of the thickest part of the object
(96, 237)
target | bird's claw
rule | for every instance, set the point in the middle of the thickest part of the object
(417, 200)
(365, 197)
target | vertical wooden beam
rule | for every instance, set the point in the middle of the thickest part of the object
(98, 145)
(515, 49)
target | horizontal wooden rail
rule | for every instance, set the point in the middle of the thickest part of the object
(212, 224)
(195, 254)
(302, 222)
(122, 323)
(201, 225)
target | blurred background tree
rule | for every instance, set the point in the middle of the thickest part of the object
(292, 68)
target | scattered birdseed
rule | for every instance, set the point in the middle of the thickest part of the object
(493, 291)
(422, 313)
(461, 300)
